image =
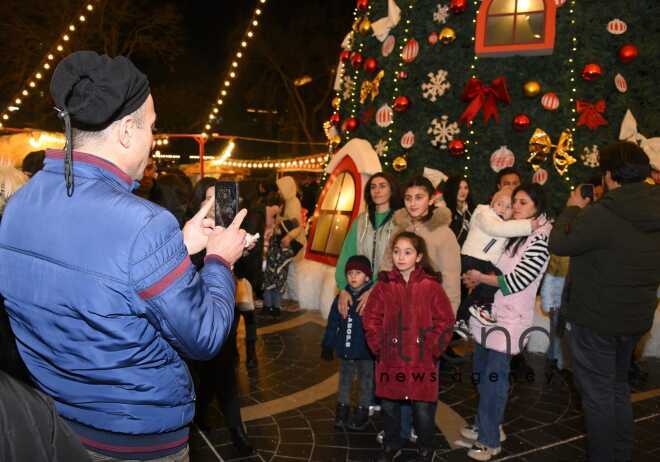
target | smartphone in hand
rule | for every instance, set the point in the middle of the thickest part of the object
(226, 202)
(587, 191)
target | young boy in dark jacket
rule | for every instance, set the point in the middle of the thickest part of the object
(346, 337)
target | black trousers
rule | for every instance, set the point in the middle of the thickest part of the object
(600, 368)
(483, 294)
(218, 379)
(423, 422)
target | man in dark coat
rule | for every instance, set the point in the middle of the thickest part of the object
(611, 299)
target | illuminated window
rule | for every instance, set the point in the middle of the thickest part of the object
(338, 205)
(515, 27)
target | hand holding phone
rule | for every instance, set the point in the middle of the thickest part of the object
(587, 191)
(226, 202)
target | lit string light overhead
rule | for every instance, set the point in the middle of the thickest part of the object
(338, 93)
(395, 93)
(47, 63)
(571, 73)
(469, 142)
(232, 71)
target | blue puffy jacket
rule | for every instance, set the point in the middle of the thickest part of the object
(104, 301)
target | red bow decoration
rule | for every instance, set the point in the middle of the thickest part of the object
(480, 95)
(590, 114)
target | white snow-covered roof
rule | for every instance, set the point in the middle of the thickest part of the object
(361, 152)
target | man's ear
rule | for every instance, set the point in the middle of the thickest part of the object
(125, 129)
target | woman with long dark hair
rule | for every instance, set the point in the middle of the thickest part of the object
(458, 198)
(523, 264)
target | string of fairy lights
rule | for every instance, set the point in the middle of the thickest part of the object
(395, 80)
(337, 108)
(571, 70)
(47, 63)
(232, 71)
(303, 162)
(469, 140)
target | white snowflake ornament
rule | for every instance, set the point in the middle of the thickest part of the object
(381, 148)
(436, 86)
(349, 87)
(443, 131)
(441, 14)
(590, 157)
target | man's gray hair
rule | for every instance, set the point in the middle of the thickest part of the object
(82, 137)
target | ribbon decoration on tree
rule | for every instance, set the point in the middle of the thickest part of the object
(540, 146)
(383, 26)
(371, 87)
(651, 146)
(590, 114)
(484, 96)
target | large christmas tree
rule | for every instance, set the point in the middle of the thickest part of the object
(411, 82)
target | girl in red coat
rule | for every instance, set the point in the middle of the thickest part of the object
(408, 323)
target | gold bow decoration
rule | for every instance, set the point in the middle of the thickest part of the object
(540, 146)
(371, 87)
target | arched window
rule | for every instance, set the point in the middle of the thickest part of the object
(338, 206)
(515, 27)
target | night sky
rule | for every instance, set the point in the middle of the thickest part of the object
(184, 89)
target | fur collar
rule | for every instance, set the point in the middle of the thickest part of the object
(441, 217)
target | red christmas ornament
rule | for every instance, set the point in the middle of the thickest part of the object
(521, 122)
(345, 55)
(456, 147)
(401, 103)
(591, 72)
(403, 75)
(362, 5)
(370, 65)
(458, 6)
(351, 124)
(356, 60)
(433, 38)
(628, 53)
(334, 118)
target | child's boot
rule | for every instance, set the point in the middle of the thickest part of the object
(424, 455)
(360, 419)
(341, 415)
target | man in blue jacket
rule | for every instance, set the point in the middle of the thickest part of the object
(98, 283)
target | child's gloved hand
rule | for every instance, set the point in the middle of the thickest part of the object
(327, 354)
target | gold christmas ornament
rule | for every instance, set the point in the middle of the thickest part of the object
(335, 102)
(365, 26)
(531, 88)
(540, 146)
(336, 140)
(447, 35)
(371, 87)
(399, 164)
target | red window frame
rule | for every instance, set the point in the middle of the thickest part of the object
(544, 47)
(345, 166)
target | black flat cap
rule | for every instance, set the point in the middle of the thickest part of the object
(97, 90)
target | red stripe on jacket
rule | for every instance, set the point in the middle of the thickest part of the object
(167, 281)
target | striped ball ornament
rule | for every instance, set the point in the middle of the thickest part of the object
(616, 27)
(408, 140)
(410, 51)
(550, 101)
(388, 45)
(540, 176)
(384, 116)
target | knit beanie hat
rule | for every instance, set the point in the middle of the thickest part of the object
(360, 263)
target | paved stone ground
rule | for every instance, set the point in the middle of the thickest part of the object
(543, 419)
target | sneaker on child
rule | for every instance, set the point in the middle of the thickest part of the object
(482, 452)
(484, 317)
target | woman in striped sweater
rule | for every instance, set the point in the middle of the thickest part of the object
(523, 264)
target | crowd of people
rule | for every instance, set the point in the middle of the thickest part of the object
(133, 287)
